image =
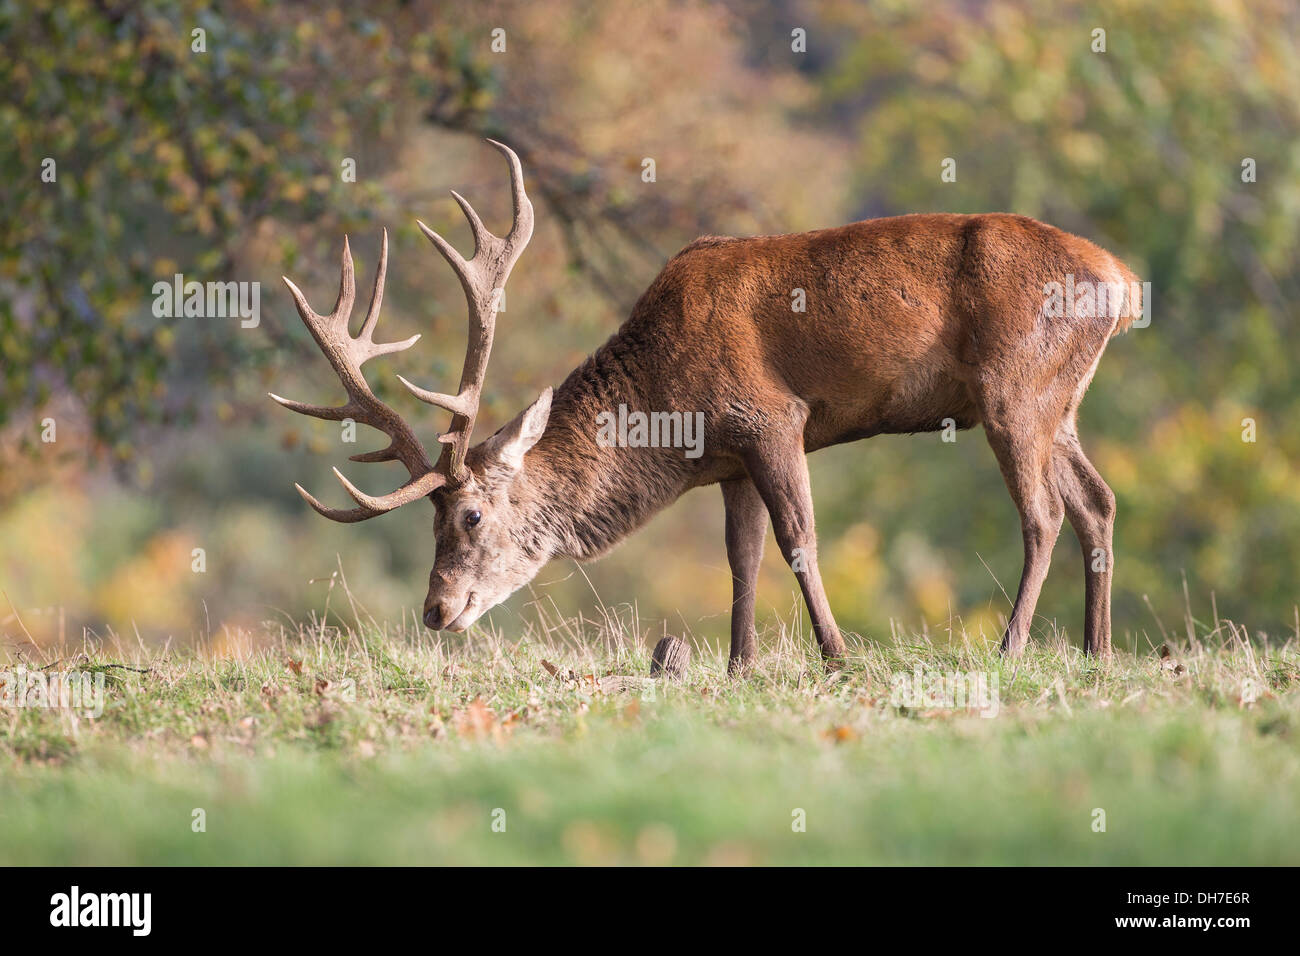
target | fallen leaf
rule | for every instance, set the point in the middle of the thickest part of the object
(1170, 663)
(293, 665)
(476, 720)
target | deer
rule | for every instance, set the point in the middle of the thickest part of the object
(911, 324)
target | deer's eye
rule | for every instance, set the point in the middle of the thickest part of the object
(472, 518)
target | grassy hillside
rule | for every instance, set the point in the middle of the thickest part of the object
(366, 744)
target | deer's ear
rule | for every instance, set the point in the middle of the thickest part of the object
(507, 447)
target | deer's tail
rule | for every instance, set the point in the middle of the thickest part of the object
(1133, 300)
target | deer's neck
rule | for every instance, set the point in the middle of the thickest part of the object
(588, 495)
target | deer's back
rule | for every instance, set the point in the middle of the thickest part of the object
(900, 318)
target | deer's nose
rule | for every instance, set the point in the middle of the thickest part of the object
(436, 616)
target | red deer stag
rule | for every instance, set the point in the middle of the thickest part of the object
(910, 323)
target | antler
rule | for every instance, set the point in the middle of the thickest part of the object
(347, 354)
(483, 277)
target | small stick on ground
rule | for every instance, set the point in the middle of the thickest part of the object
(670, 657)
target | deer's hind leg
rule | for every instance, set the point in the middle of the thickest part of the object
(1090, 506)
(1025, 414)
(1026, 461)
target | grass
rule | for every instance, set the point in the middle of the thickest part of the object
(371, 745)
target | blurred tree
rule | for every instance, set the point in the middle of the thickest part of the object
(140, 138)
(209, 141)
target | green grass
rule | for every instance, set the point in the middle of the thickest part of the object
(409, 765)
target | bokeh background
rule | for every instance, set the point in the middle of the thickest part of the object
(225, 165)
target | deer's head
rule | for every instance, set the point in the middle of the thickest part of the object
(484, 531)
(485, 551)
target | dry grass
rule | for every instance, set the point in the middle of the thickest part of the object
(358, 742)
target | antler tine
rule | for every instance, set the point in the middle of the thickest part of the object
(366, 335)
(476, 226)
(377, 295)
(343, 515)
(454, 258)
(452, 403)
(522, 230)
(315, 411)
(347, 288)
(483, 278)
(346, 355)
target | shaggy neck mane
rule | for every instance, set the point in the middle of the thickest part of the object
(585, 497)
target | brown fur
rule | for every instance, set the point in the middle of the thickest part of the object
(910, 321)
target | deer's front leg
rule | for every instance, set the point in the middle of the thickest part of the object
(781, 477)
(746, 528)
